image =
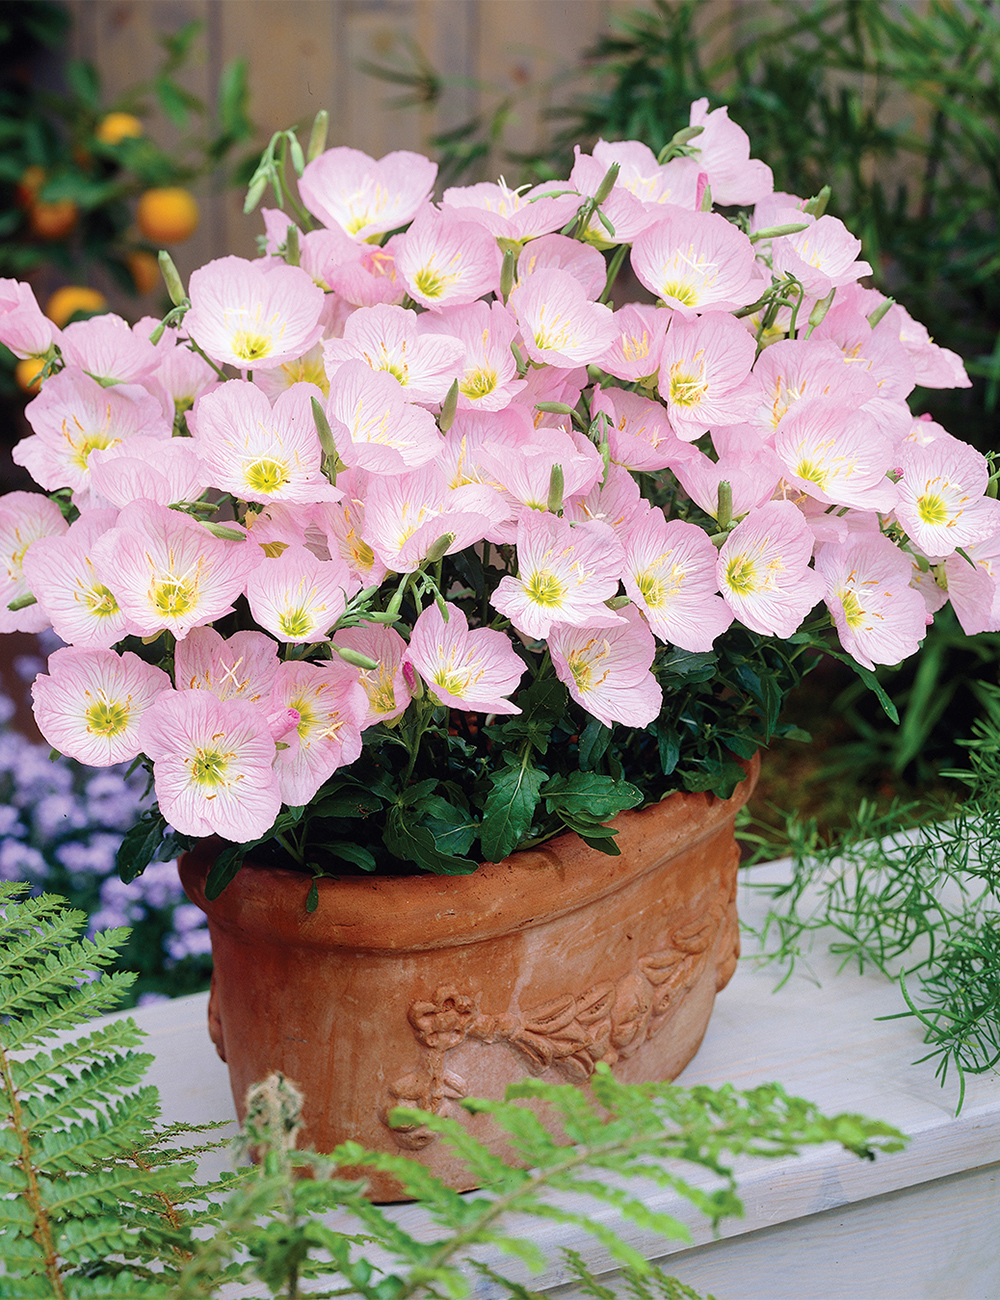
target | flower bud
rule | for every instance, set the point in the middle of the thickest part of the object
(880, 311)
(355, 657)
(557, 482)
(448, 408)
(171, 278)
(317, 136)
(439, 549)
(607, 183)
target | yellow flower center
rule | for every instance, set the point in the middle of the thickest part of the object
(741, 574)
(266, 475)
(681, 291)
(108, 717)
(208, 767)
(686, 387)
(932, 509)
(296, 624)
(251, 347)
(478, 384)
(544, 588)
(853, 612)
(812, 472)
(100, 601)
(174, 596)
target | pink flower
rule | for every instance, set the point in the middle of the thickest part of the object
(513, 214)
(652, 183)
(488, 381)
(72, 416)
(473, 670)
(821, 257)
(705, 373)
(763, 570)
(524, 472)
(385, 686)
(168, 571)
(749, 466)
(639, 433)
(627, 214)
(251, 317)
(23, 328)
(72, 589)
(615, 501)
(166, 470)
(109, 351)
(974, 589)
(635, 350)
(670, 574)
(723, 151)
(297, 597)
(241, 667)
(936, 367)
(560, 325)
(696, 262)
(837, 454)
(406, 514)
(793, 369)
(347, 188)
(391, 339)
(25, 517)
(370, 277)
(565, 574)
(879, 617)
(374, 426)
(331, 706)
(212, 765)
(560, 253)
(259, 452)
(445, 261)
(607, 669)
(942, 502)
(91, 704)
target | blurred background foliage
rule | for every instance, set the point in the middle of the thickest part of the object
(87, 195)
(897, 107)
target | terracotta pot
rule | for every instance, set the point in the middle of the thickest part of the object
(421, 990)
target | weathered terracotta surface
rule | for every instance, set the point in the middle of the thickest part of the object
(424, 989)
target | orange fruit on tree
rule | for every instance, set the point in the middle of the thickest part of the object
(28, 186)
(71, 298)
(115, 127)
(145, 270)
(53, 220)
(28, 374)
(167, 216)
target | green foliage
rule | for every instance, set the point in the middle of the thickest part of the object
(97, 1201)
(53, 151)
(917, 900)
(96, 1198)
(648, 1131)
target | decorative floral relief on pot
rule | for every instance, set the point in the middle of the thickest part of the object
(607, 1022)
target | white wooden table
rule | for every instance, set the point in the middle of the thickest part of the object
(923, 1224)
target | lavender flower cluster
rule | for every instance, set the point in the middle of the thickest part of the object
(60, 827)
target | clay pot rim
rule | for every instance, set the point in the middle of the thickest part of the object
(421, 911)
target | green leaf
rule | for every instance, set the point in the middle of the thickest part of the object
(85, 83)
(594, 741)
(590, 795)
(411, 842)
(510, 807)
(353, 853)
(148, 841)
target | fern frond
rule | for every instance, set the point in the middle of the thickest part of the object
(92, 1206)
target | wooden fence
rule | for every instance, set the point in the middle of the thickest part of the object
(304, 55)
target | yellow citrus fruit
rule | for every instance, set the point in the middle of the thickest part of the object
(145, 270)
(27, 374)
(167, 216)
(71, 298)
(53, 220)
(115, 127)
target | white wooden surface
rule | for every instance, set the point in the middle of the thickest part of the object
(923, 1224)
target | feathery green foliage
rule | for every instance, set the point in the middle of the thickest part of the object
(921, 905)
(95, 1196)
(656, 1132)
(97, 1202)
